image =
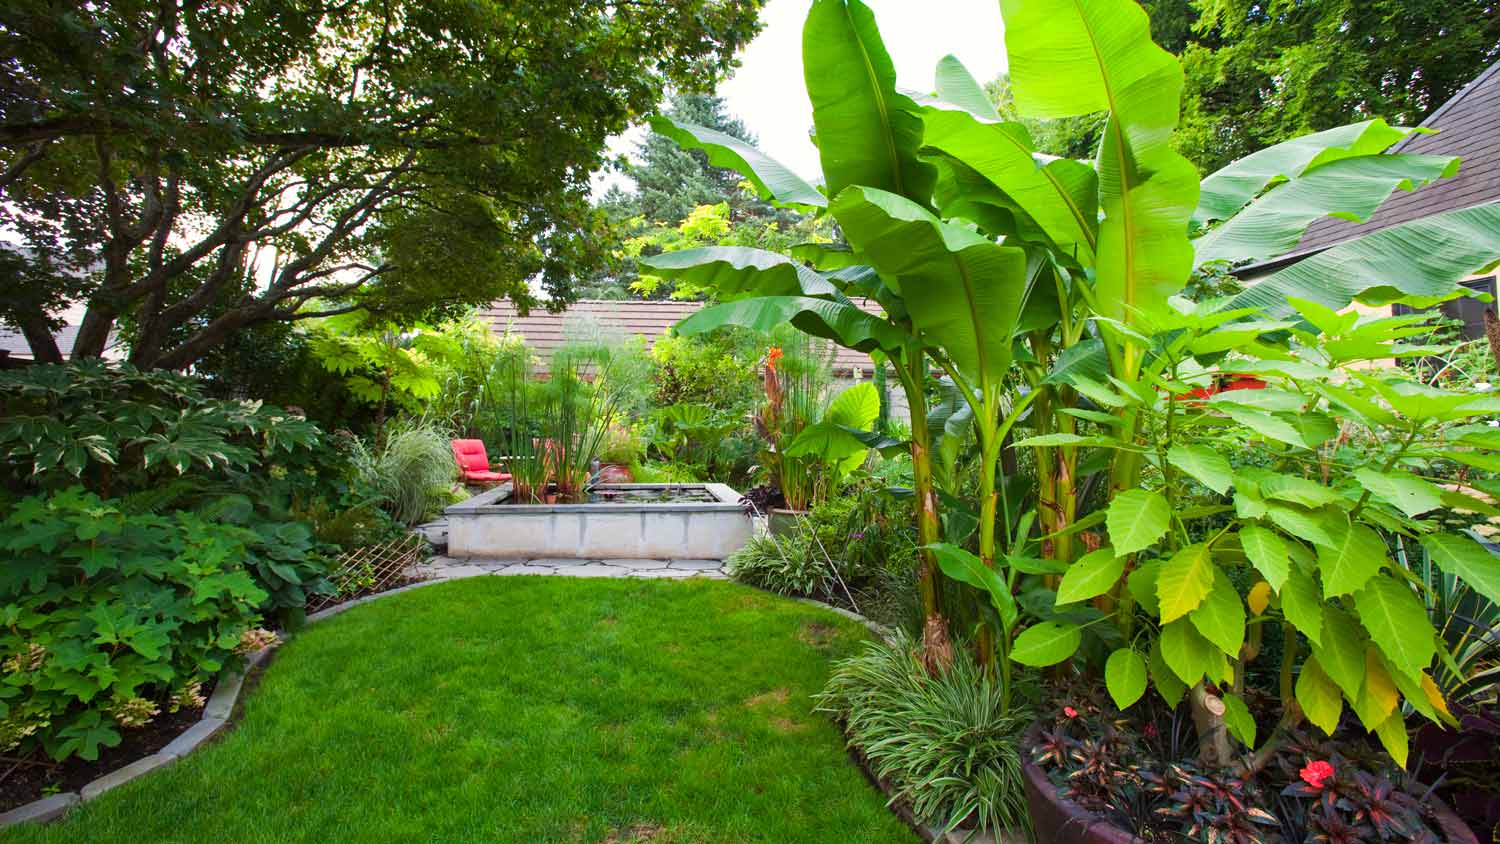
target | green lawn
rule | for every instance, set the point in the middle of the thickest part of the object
(525, 709)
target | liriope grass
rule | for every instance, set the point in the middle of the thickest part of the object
(945, 743)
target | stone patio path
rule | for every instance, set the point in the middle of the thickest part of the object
(449, 567)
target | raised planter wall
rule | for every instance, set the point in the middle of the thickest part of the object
(485, 527)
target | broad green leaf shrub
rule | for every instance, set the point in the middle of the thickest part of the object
(1339, 530)
(108, 619)
(948, 744)
(157, 443)
(117, 430)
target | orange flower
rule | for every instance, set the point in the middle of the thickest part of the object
(773, 357)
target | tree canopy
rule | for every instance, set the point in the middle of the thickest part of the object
(196, 168)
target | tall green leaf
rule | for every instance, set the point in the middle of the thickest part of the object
(1424, 257)
(1074, 58)
(841, 322)
(1227, 190)
(867, 132)
(1351, 189)
(965, 567)
(956, 85)
(736, 271)
(1059, 194)
(772, 180)
(962, 291)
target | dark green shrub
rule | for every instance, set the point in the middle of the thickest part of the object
(116, 430)
(946, 743)
(106, 618)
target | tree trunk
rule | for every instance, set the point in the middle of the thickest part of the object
(39, 337)
(1208, 719)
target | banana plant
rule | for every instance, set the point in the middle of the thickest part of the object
(868, 136)
(1113, 240)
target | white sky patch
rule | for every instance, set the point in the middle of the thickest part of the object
(768, 92)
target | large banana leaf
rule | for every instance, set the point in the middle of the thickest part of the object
(1349, 188)
(773, 180)
(841, 322)
(867, 132)
(1425, 257)
(1226, 191)
(1060, 194)
(1084, 56)
(956, 85)
(962, 291)
(735, 271)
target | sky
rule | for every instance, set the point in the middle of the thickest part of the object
(767, 91)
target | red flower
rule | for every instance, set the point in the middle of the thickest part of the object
(1317, 773)
(1070, 712)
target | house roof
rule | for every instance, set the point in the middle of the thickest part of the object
(544, 331)
(13, 343)
(1466, 128)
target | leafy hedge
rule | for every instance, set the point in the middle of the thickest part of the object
(149, 529)
(106, 618)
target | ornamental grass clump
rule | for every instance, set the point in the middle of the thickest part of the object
(946, 743)
(412, 473)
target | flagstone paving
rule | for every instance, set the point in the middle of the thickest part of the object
(450, 567)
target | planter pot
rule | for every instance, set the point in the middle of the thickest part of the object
(783, 523)
(1058, 820)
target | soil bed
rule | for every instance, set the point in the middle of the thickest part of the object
(38, 776)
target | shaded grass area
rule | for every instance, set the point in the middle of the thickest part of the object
(526, 709)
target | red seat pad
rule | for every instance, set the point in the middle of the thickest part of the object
(486, 475)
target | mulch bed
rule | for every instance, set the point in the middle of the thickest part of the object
(35, 777)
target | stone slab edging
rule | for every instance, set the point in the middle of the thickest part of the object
(216, 714)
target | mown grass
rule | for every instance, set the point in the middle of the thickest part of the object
(525, 709)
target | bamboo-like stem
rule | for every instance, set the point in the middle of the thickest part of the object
(937, 651)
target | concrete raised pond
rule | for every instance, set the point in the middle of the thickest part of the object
(642, 521)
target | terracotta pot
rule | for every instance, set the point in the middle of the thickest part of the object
(783, 523)
(1058, 820)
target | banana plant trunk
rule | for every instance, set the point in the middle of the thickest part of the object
(937, 646)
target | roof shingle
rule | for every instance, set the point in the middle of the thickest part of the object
(544, 332)
(1466, 128)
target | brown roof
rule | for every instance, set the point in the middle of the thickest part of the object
(1467, 128)
(544, 331)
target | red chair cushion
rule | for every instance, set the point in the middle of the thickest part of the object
(486, 476)
(471, 456)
